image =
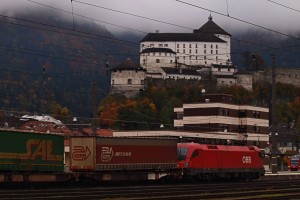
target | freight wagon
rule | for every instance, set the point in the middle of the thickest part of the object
(30, 157)
(203, 161)
(113, 158)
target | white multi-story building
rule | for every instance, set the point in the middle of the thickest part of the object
(208, 45)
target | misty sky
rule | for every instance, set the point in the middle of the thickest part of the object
(261, 12)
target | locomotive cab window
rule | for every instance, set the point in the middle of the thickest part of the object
(181, 152)
(195, 154)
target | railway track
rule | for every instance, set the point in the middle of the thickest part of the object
(221, 191)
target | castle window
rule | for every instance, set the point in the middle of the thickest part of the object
(196, 45)
(216, 46)
(211, 51)
(144, 61)
(177, 45)
(211, 46)
(190, 45)
(204, 45)
(183, 45)
(157, 60)
(129, 81)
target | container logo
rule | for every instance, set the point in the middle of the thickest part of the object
(80, 153)
(35, 149)
(107, 154)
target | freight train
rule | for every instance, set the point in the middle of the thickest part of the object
(40, 157)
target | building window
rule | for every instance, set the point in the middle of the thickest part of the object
(219, 69)
(144, 61)
(224, 112)
(196, 45)
(153, 54)
(183, 45)
(196, 57)
(177, 45)
(113, 82)
(216, 51)
(129, 81)
(177, 51)
(229, 69)
(157, 60)
(211, 46)
(190, 51)
(256, 129)
(256, 114)
(142, 82)
(204, 50)
(171, 61)
(196, 50)
(160, 45)
(165, 45)
(183, 50)
(217, 58)
(190, 45)
(204, 57)
(204, 45)
(183, 57)
(211, 51)
(151, 45)
(216, 46)
(205, 62)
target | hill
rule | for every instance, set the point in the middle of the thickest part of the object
(48, 64)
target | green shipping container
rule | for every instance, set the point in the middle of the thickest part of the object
(28, 151)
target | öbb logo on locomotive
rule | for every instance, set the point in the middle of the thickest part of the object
(108, 153)
(246, 159)
(80, 153)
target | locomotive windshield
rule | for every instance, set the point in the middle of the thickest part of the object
(181, 152)
(294, 161)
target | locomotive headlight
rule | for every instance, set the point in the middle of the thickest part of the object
(186, 165)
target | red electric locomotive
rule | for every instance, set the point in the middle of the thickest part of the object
(204, 161)
(294, 163)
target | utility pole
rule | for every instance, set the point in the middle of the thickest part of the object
(273, 129)
(94, 108)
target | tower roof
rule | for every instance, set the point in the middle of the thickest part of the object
(211, 27)
(127, 65)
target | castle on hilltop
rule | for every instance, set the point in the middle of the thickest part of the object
(207, 50)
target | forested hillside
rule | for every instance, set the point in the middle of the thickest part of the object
(48, 65)
(155, 105)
